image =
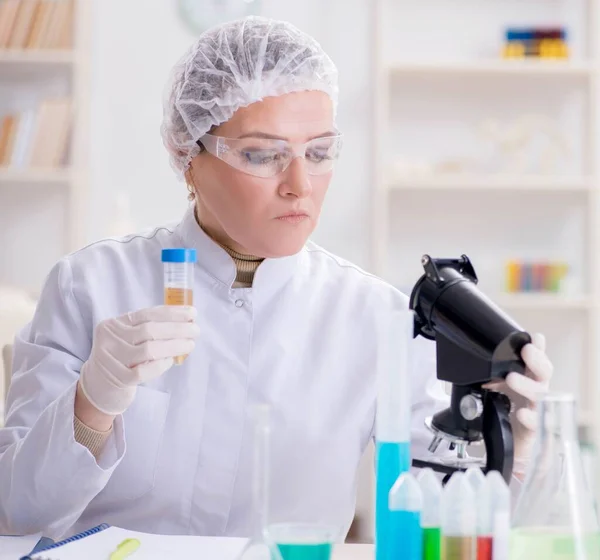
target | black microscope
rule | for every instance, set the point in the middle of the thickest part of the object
(476, 342)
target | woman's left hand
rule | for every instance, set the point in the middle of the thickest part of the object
(524, 391)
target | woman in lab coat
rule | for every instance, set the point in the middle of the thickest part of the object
(101, 427)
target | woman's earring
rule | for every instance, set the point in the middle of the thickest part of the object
(192, 192)
(189, 181)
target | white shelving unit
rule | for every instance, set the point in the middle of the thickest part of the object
(39, 177)
(397, 198)
(545, 302)
(49, 203)
(465, 182)
(39, 57)
(504, 68)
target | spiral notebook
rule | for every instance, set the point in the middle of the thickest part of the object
(98, 543)
(47, 544)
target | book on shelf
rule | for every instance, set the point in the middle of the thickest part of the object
(36, 24)
(37, 137)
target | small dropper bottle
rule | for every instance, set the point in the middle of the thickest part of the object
(499, 495)
(459, 519)
(431, 490)
(405, 504)
(478, 482)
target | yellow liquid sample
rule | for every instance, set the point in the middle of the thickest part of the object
(458, 548)
(179, 296)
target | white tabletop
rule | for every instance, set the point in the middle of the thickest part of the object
(353, 552)
(12, 548)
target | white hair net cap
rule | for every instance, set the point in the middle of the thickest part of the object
(234, 65)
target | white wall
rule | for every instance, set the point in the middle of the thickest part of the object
(136, 42)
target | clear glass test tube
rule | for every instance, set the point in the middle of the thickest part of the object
(392, 431)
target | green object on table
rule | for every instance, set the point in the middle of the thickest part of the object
(127, 547)
(301, 551)
(432, 538)
(540, 544)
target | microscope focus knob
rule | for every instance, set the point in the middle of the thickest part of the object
(471, 407)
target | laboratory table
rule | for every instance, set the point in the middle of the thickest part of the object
(12, 548)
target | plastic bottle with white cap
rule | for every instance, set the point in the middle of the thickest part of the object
(499, 503)
(431, 491)
(459, 519)
(479, 484)
(406, 535)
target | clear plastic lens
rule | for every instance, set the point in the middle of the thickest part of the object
(264, 157)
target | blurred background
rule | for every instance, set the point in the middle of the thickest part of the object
(470, 127)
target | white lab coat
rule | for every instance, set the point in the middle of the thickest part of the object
(306, 338)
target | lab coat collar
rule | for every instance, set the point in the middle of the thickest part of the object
(213, 259)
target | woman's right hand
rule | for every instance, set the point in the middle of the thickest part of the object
(132, 349)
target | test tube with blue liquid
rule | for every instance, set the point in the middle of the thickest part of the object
(392, 426)
(406, 535)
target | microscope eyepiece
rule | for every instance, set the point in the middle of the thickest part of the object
(476, 340)
(439, 275)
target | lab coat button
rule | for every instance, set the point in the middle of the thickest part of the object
(239, 303)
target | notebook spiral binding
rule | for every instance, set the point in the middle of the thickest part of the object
(76, 537)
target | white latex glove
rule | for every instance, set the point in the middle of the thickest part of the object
(133, 349)
(524, 391)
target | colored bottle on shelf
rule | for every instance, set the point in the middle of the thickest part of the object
(513, 275)
(536, 43)
(537, 273)
(564, 271)
(546, 271)
(558, 272)
(536, 276)
(526, 277)
(431, 490)
(514, 49)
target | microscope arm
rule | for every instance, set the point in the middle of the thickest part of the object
(497, 434)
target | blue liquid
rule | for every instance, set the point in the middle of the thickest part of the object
(406, 536)
(317, 551)
(391, 460)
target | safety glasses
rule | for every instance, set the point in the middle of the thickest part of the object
(264, 157)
